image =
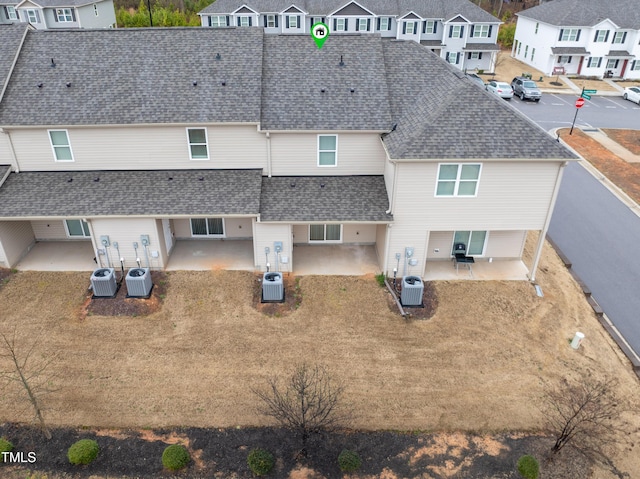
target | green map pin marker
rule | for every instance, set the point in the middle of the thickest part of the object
(319, 33)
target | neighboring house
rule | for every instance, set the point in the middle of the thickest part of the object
(584, 37)
(457, 30)
(65, 13)
(262, 138)
(8, 12)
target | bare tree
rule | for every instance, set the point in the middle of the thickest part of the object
(28, 371)
(310, 401)
(586, 414)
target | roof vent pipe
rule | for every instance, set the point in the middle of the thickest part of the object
(341, 62)
(53, 64)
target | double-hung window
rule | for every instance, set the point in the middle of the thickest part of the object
(429, 27)
(326, 233)
(244, 21)
(474, 241)
(271, 21)
(33, 16)
(455, 31)
(601, 36)
(620, 37)
(198, 145)
(292, 21)
(327, 150)
(480, 31)
(458, 179)
(569, 34)
(64, 15)
(363, 25)
(60, 145)
(11, 12)
(207, 227)
(340, 25)
(594, 62)
(77, 229)
(453, 57)
(385, 23)
(218, 21)
(612, 63)
(410, 28)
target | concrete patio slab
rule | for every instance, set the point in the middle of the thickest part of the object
(203, 255)
(59, 256)
(337, 260)
(509, 270)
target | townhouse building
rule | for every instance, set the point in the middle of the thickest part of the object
(457, 30)
(56, 14)
(235, 135)
(581, 37)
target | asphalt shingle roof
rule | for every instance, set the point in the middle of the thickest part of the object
(446, 116)
(586, 13)
(136, 193)
(324, 198)
(437, 9)
(11, 37)
(63, 3)
(136, 76)
(295, 72)
(569, 51)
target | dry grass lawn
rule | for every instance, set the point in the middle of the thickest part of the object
(478, 365)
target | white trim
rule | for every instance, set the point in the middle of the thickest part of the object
(69, 235)
(457, 180)
(206, 143)
(208, 235)
(324, 225)
(484, 244)
(327, 151)
(68, 145)
(346, 5)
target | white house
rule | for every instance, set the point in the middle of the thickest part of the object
(581, 37)
(457, 30)
(264, 140)
(52, 14)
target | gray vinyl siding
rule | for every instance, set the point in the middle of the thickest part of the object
(16, 239)
(106, 15)
(50, 19)
(296, 154)
(51, 230)
(265, 235)
(511, 196)
(126, 231)
(144, 148)
(234, 228)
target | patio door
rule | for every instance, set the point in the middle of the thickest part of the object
(474, 240)
(325, 233)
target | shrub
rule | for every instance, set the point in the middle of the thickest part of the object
(260, 461)
(5, 446)
(349, 461)
(380, 279)
(83, 451)
(175, 457)
(528, 467)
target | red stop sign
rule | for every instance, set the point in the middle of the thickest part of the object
(579, 102)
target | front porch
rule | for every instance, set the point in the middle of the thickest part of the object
(339, 260)
(502, 270)
(202, 255)
(59, 256)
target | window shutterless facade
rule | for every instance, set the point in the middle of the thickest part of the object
(326, 233)
(77, 229)
(458, 179)
(327, 150)
(198, 144)
(60, 144)
(474, 240)
(207, 227)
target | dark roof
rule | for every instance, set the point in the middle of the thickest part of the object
(431, 43)
(209, 192)
(136, 76)
(569, 51)
(586, 13)
(295, 71)
(439, 121)
(619, 53)
(4, 172)
(11, 37)
(342, 198)
(481, 47)
(437, 9)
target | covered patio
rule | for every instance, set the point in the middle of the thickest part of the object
(504, 270)
(59, 256)
(202, 255)
(340, 260)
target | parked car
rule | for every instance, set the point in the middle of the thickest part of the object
(476, 79)
(526, 89)
(632, 93)
(500, 88)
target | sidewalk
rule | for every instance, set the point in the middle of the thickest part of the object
(614, 147)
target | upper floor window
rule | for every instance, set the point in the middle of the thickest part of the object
(601, 36)
(363, 24)
(60, 144)
(384, 23)
(244, 21)
(340, 24)
(569, 34)
(198, 146)
(429, 27)
(327, 150)
(620, 37)
(458, 179)
(456, 31)
(64, 15)
(292, 21)
(11, 12)
(33, 16)
(270, 21)
(409, 28)
(218, 21)
(480, 31)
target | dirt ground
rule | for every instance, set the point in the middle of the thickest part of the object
(623, 174)
(479, 364)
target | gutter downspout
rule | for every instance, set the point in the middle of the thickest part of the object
(385, 270)
(14, 159)
(547, 221)
(268, 154)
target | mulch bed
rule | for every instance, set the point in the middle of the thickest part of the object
(123, 306)
(429, 301)
(292, 296)
(223, 453)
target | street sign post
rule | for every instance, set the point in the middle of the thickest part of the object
(586, 97)
(580, 102)
(590, 92)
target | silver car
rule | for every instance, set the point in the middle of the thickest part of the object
(526, 89)
(500, 88)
